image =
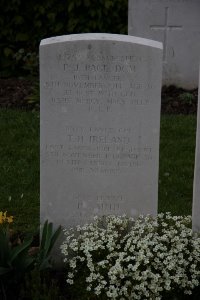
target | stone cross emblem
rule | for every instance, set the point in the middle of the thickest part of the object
(166, 29)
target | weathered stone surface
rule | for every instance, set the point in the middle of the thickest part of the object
(176, 23)
(100, 119)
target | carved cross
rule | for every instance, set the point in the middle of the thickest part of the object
(166, 29)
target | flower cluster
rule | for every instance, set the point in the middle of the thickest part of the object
(4, 218)
(126, 258)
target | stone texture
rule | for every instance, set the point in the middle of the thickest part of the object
(100, 119)
(196, 187)
(176, 23)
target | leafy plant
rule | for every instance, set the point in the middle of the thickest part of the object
(24, 23)
(39, 285)
(14, 260)
(187, 97)
(34, 98)
(48, 239)
(28, 60)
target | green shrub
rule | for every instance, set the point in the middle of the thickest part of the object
(48, 239)
(187, 98)
(14, 259)
(34, 98)
(18, 259)
(24, 23)
(39, 286)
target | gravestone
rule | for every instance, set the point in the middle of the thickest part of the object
(100, 118)
(196, 187)
(176, 23)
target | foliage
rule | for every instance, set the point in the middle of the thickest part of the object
(48, 239)
(28, 61)
(24, 23)
(39, 285)
(187, 97)
(34, 98)
(14, 260)
(4, 218)
(126, 258)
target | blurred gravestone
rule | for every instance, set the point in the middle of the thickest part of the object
(176, 23)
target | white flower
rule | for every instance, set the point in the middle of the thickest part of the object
(70, 281)
(127, 258)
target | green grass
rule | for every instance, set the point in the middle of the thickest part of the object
(177, 151)
(19, 165)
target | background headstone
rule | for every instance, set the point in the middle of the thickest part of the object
(176, 23)
(100, 119)
(196, 188)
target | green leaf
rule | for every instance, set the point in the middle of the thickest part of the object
(22, 37)
(45, 264)
(38, 24)
(44, 234)
(87, 3)
(18, 20)
(4, 247)
(23, 262)
(108, 4)
(4, 270)
(51, 16)
(47, 242)
(70, 6)
(54, 238)
(58, 27)
(41, 10)
(8, 52)
(20, 248)
(48, 238)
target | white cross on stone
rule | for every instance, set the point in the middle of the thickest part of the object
(166, 28)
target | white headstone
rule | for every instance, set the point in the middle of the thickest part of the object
(196, 187)
(100, 119)
(176, 23)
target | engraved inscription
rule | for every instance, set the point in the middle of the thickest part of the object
(98, 83)
(100, 150)
(99, 94)
(102, 204)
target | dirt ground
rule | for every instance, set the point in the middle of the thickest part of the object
(14, 93)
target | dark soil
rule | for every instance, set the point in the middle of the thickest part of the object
(16, 93)
(179, 101)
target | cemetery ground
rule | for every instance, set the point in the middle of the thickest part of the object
(19, 152)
